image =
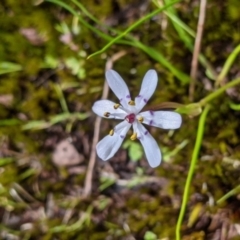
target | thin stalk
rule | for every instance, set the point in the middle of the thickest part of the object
(61, 97)
(196, 149)
(218, 92)
(231, 58)
(231, 193)
(197, 48)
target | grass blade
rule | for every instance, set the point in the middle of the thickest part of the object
(134, 25)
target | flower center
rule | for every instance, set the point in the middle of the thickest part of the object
(130, 118)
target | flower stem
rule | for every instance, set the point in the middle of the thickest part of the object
(197, 146)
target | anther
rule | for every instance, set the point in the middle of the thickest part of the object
(133, 137)
(140, 119)
(111, 132)
(116, 106)
(106, 114)
(131, 102)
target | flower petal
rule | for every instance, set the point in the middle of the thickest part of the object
(109, 145)
(119, 87)
(149, 144)
(162, 119)
(148, 87)
(105, 108)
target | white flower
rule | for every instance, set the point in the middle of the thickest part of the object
(129, 111)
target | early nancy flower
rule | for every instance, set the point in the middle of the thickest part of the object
(129, 111)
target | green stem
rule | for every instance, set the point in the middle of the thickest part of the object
(231, 193)
(191, 170)
(61, 98)
(215, 94)
(231, 58)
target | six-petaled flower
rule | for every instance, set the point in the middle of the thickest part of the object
(128, 110)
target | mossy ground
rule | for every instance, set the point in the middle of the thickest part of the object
(39, 200)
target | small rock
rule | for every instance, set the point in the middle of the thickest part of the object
(65, 154)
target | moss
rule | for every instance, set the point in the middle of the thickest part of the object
(151, 207)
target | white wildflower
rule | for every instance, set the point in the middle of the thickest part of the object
(129, 111)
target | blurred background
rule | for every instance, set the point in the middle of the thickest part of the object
(52, 185)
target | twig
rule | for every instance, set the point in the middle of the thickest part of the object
(197, 46)
(88, 180)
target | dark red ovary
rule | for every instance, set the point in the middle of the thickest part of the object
(130, 118)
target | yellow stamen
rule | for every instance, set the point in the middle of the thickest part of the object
(106, 114)
(140, 119)
(111, 132)
(133, 137)
(131, 102)
(116, 106)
